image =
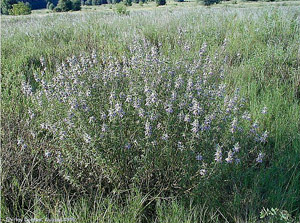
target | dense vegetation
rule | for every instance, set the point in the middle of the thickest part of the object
(20, 9)
(186, 115)
(7, 5)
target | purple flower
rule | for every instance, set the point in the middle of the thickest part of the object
(47, 154)
(180, 116)
(165, 137)
(20, 141)
(264, 137)
(196, 109)
(180, 146)
(233, 125)
(179, 82)
(104, 127)
(187, 118)
(218, 154)
(237, 161)
(246, 116)
(128, 146)
(199, 157)
(148, 129)
(119, 110)
(264, 110)
(169, 108)
(87, 138)
(236, 147)
(260, 157)
(202, 172)
(229, 158)
(195, 125)
(92, 119)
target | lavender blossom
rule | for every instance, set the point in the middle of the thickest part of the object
(260, 157)
(218, 154)
(104, 127)
(165, 137)
(195, 125)
(264, 137)
(119, 110)
(92, 119)
(229, 158)
(87, 138)
(264, 110)
(148, 129)
(236, 147)
(169, 108)
(199, 157)
(47, 154)
(127, 146)
(187, 118)
(233, 125)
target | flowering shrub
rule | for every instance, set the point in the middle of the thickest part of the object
(141, 118)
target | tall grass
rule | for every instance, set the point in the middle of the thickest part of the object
(262, 60)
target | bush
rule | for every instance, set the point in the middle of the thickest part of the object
(211, 2)
(76, 5)
(128, 2)
(51, 6)
(64, 5)
(121, 9)
(171, 128)
(20, 9)
(6, 6)
(160, 2)
(68, 5)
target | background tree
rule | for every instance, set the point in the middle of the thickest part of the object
(64, 5)
(6, 5)
(211, 2)
(128, 2)
(51, 6)
(76, 5)
(20, 9)
(160, 2)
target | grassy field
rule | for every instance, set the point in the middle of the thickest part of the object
(181, 113)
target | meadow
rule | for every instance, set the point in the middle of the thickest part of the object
(181, 113)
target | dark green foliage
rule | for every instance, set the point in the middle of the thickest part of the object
(179, 0)
(97, 2)
(128, 2)
(51, 6)
(211, 2)
(64, 5)
(76, 5)
(6, 5)
(68, 5)
(94, 2)
(20, 9)
(160, 2)
(121, 9)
